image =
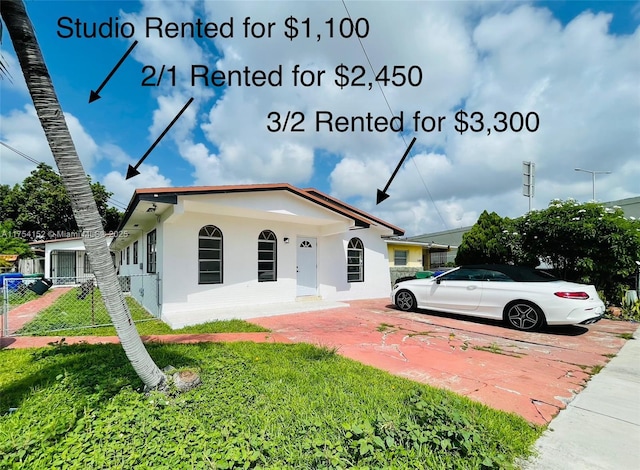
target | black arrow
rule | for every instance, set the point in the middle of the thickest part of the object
(382, 195)
(95, 95)
(133, 170)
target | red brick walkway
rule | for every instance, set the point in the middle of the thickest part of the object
(23, 314)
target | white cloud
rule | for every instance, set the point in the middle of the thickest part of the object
(123, 189)
(580, 79)
(13, 81)
(21, 130)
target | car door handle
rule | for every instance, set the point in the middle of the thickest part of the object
(472, 287)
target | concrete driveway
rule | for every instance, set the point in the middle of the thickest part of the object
(531, 374)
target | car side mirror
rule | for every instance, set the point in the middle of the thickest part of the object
(438, 281)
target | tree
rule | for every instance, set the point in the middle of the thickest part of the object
(584, 243)
(41, 205)
(492, 239)
(77, 185)
(5, 193)
(10, 244)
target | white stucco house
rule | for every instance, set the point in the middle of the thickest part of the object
(65, 259)
(227, 247)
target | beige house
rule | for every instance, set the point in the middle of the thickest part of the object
(407, 257)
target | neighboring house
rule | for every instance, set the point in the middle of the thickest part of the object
(221, 247)
(65, 259)
(451, 238)
(630, 206)
(8, 263)
(33, 265)
(407, 257)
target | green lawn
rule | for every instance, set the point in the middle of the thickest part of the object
(260, 406)
(72, 316)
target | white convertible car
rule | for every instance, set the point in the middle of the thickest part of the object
(524, 297)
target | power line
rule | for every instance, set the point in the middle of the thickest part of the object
(122, 205)
(22, 154)
(393, 114)
(113, 202)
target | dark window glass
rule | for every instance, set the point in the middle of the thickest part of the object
(210, 255)
(267, 256)
(355, 260)
(151, 252)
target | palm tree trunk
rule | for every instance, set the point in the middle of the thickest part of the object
(77, 185)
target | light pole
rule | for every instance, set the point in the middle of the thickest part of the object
(593, 179)
(638, 278)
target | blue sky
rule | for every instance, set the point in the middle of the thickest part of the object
(574, 63)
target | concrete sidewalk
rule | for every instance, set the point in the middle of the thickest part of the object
(600, 428)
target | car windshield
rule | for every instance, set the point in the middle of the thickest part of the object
(535, 275)
(499, 273)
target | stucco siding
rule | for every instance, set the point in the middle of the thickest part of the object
(184, 300)
(312, 238)
(332, 267)
(182, 293)
(142, 286)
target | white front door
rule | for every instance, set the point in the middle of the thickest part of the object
(306, 266)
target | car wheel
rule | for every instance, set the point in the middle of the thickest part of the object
(406, 301)
(523, 315)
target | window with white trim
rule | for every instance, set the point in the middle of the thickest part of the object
(355, 260)
(267, 256)
(210, 255)
(400, 257)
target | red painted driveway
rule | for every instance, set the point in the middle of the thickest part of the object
(531, 374)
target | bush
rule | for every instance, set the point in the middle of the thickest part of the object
(586, 243)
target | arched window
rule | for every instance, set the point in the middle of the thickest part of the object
(210, 255)
(267, 256)
(355, 260)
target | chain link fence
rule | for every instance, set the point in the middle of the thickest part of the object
(34, 306)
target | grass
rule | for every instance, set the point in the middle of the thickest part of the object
(626, 336)
(73, 316)
(496, 349)
(384, 327)
(422, 333)
(154, 326)
(260, 406)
